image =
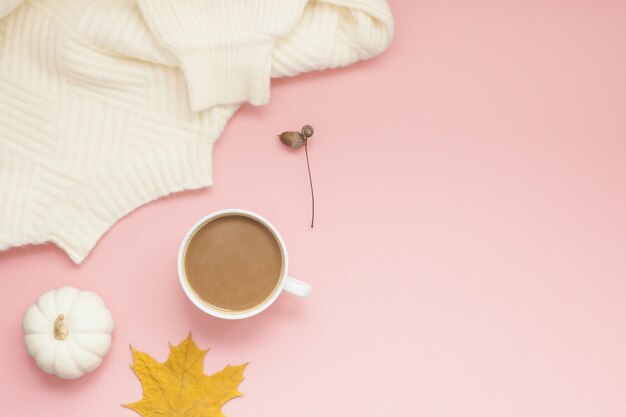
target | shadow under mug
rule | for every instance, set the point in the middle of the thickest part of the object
(286, 283)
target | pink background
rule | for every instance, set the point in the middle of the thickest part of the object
(469, 257)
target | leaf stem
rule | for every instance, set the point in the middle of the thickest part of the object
(308, 166)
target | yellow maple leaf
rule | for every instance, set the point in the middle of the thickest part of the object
(178, 387)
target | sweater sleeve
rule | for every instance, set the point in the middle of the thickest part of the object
(7, 6)
(224, 47)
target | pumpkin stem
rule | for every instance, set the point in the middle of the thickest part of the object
(60, 328)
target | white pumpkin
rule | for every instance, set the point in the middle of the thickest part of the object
(68, 332)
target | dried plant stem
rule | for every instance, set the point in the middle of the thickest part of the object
(60, 328)
(306, 151)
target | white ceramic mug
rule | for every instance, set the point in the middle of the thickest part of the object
(287, 283)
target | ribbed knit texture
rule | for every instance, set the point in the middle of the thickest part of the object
(7, 6)
(106, 105)
(224, 47)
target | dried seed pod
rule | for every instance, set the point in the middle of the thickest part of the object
(298, 140)
(307, 131)
(294, 139)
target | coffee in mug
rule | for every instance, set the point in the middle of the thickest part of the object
(233, 264)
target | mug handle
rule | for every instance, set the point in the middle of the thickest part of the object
(297, 287)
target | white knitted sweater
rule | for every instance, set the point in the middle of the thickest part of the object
(106, 105)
